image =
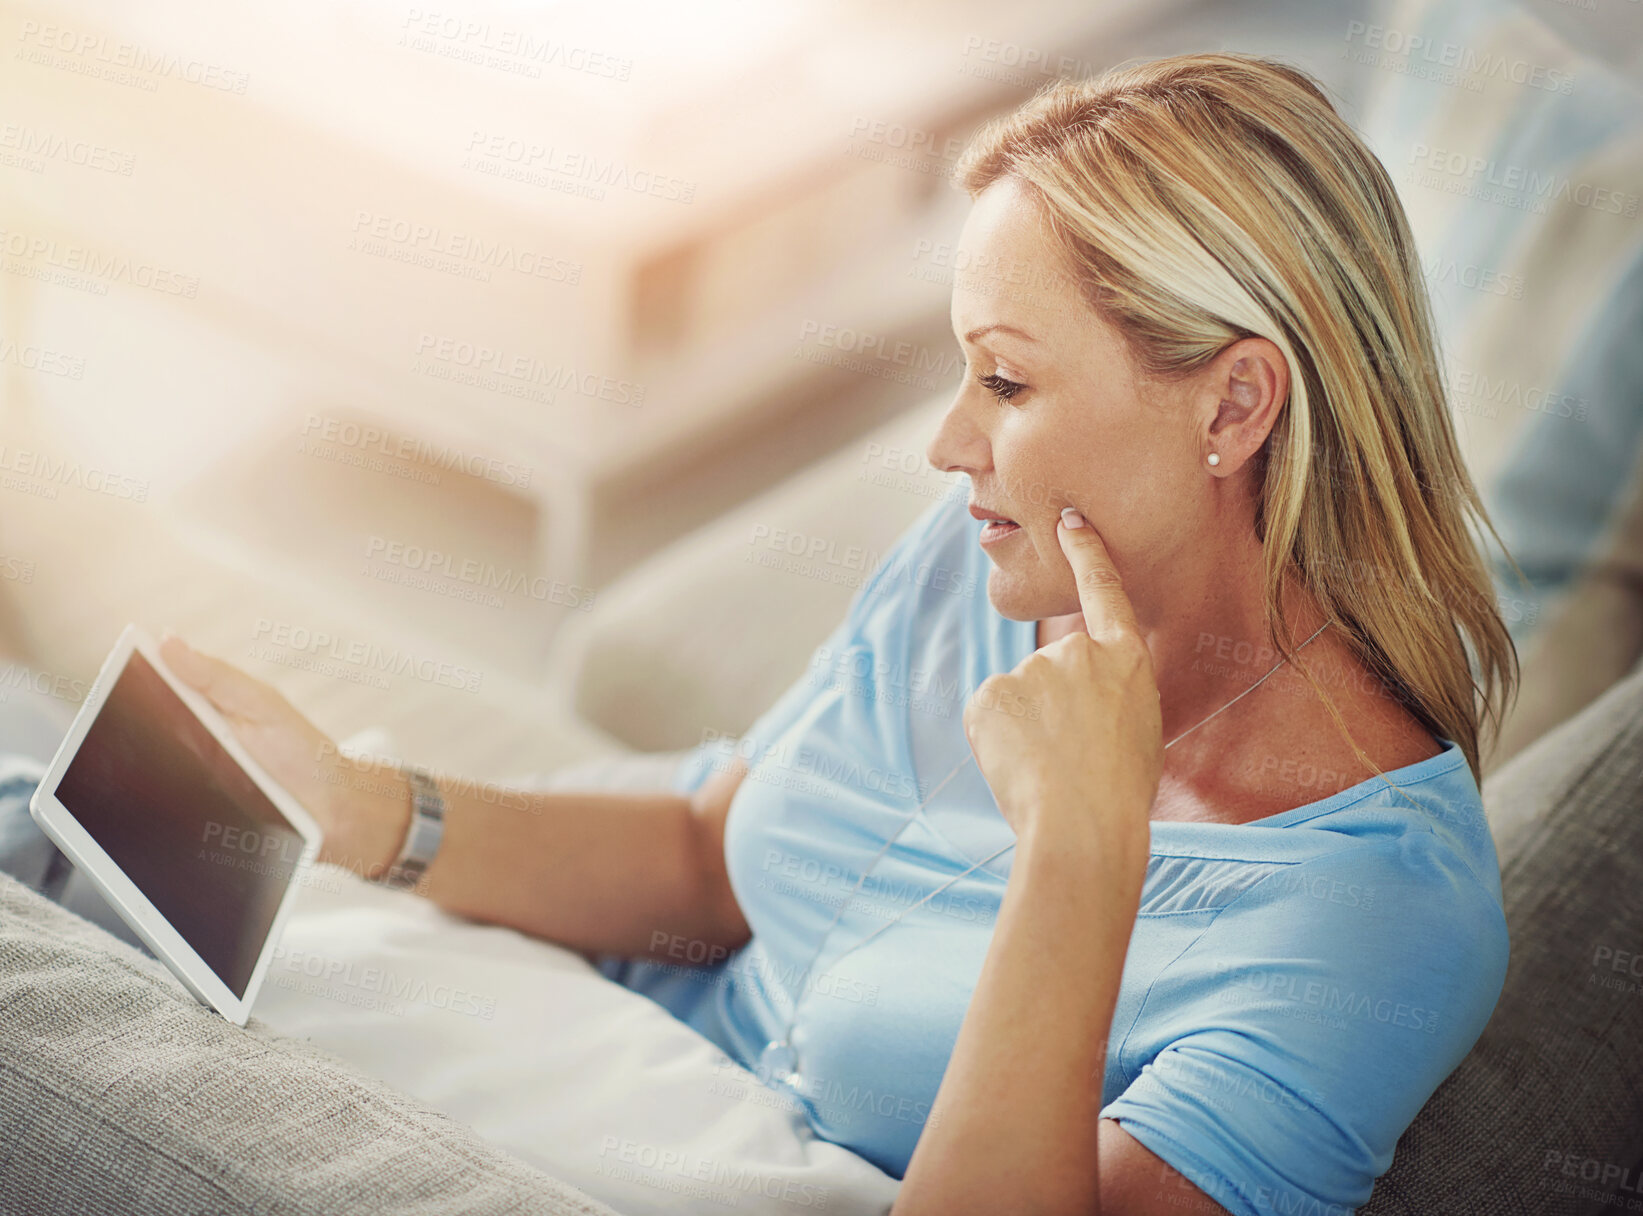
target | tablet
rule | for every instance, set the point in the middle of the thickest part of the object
(152, 797)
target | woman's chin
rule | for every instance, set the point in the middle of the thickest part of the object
(1019, 599)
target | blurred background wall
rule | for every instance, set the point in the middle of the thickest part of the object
(334, 325)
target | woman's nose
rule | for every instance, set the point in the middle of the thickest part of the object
(958, 444)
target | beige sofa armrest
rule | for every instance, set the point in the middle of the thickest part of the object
(709, 632)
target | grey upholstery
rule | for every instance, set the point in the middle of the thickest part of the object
(1546, 1114)
(120, 1094)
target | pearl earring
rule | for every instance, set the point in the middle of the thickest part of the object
(1215, 458)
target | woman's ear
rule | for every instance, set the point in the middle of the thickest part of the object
(1246, 387)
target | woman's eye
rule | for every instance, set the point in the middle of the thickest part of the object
(999, 387)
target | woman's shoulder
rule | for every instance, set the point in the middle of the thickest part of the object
(1401, 861)
(1321, 1007)
(1394, 891)
(1372, 927)
(1427, 816)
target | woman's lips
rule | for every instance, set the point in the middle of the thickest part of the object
(996, 530)
(996, 526)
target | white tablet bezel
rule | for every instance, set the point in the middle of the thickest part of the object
(127, 899)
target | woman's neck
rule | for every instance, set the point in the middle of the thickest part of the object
(1209, 635)
(1210, 644)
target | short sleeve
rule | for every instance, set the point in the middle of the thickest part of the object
(1302, 1031)
(876, 593)
(880, 592)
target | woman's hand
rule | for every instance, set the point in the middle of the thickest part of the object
(1072, 739)
(1070, 742)
(363, 809)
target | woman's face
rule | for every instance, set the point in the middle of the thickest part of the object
(1051, 413)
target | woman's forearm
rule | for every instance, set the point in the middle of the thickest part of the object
(631, 873)
(1014, 1125)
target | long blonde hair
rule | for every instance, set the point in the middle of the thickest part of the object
(1209, 197)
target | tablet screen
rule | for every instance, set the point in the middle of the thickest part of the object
(173, 809)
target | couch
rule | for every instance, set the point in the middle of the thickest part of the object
(119, 1094)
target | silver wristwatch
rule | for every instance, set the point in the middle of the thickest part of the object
(423, 836)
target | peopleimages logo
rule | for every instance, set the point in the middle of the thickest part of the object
(42, 474)
(41, 145)
(95, 55)
(39, 359)
(784, 761)
(481, 574)
(367, 437)
(1466, 60)
(322, 651)
(406, 240)
(1511, 181)
(488, 362)
(1330, 1000)
(384, 982)
(462, 38)
(881, 347)
(726, 1181)
(16, 676)
(109, 268)
(577, 172)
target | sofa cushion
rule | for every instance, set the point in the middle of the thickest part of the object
(710, 631)
(1546, 1113)
(1519, 160)
(119, 1093)
(1592, 635)
(1520, 172)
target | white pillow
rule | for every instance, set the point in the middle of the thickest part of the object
(526, 1043)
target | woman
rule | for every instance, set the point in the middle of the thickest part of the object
(1214, 909)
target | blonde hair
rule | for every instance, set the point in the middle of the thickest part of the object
(1210, 197)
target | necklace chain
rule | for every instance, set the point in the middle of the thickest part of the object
(776, 1046)
(1246, 691)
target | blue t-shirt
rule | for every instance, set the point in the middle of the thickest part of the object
(1295, 988)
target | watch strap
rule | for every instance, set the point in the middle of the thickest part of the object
(423, 836)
